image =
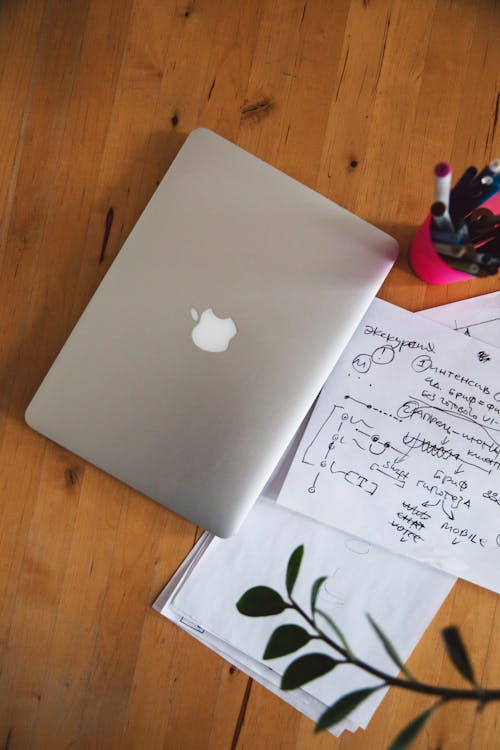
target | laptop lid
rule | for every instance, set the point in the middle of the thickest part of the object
(212, 333)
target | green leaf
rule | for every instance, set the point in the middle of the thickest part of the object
(338, 631)
(315, 591)
(261, 601)
(307, 668)
(411, 731)
(343, 707)
(457, 652)
(390, 649)
(285, 640)
(293, 568)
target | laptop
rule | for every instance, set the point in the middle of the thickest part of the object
(212, 333)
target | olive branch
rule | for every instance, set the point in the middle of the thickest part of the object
(263, 601)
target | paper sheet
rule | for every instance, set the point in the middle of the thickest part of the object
(256, 669)
(360, 578)
(403, 446)
(478, 317)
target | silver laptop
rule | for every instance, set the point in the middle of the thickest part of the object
(212, 333)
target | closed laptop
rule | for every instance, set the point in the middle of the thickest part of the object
(212, 333)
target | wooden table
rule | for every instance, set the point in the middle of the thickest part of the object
(355, 99)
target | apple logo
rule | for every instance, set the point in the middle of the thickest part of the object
(211, 333)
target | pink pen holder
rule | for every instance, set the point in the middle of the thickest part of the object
(427, 263)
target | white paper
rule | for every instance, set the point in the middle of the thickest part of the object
(360, 578)
(478, 317)
(257, 670)
(403, 446)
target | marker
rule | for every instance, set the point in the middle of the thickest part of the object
(449, 238)
(483, 188)
(486, 259)
(461, 228)
(491, 271)
(481, 222)
(480, 216)
(441, 218)
(488, 192)
(465, 179)
(491, 246)
(460, 191)
(453, 251)
(442, 183)
(479, 187)
(488, 220)
(483, 233)
(490, 169)
(466, 267)
(488, 263)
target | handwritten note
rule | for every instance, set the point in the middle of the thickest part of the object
(403, 446)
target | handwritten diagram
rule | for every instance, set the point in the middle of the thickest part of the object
(403, 446)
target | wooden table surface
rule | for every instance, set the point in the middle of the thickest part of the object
(355, 99)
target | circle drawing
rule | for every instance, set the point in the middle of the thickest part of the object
(383, 355)
(362, 363)
(421, 363)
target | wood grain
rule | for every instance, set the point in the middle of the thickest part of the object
(356, 99)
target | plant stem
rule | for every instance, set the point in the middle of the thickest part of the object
(478, 694)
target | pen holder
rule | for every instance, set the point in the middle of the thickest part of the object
(426, 262)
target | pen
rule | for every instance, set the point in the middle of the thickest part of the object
(490, 190)
(459, 191)
(481, 223)
(484, 234)
(468, 254)
(440, 217)
(466, 267)
(450, 238)
(480, 215)
(478, 189)
(486, 220)
(490, 169)
(491, 246)
(483, 189)
(486, 259)
(453, 250)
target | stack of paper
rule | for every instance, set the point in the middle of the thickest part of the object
(400, 593)
(360, 578)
